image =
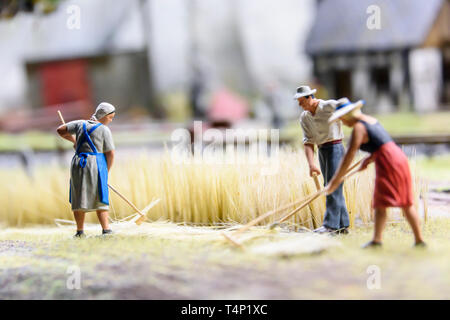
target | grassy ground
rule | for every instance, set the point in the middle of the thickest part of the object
(396, 124)
(435, 168)
(414, 123)
(49, 141)
(165, 261)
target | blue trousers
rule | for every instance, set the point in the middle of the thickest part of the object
(336, 215)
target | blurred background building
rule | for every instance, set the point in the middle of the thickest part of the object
(405, 63)
(166, 58)
(164, 63)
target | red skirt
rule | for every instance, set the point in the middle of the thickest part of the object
(393, 183)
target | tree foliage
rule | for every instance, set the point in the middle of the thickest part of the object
(9, 8)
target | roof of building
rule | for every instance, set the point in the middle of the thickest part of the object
(104, 28)
(342, 25)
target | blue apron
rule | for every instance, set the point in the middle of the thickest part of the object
(102, 166)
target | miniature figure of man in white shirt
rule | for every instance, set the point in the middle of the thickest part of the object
(328, 138)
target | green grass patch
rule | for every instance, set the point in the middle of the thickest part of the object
(47, 141)
(434, 168)
(400, 123)
(29, 140)
(414, 123)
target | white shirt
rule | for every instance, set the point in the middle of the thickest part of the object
(316, 129)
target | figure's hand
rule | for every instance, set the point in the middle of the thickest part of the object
(365, 163)
(313, 169)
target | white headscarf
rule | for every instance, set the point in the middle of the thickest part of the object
(102, 110)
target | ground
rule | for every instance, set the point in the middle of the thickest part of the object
(161, 260)
(406, 123)
(166, 261)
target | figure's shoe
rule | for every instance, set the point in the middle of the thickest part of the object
(371, 244)
(80, 234)
(107, 232)
(420, 244)
(324, 230)
(342, 231)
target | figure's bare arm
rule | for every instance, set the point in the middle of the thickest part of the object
(109, 158)
(62, 131)
(309, 152)
(368, 160)
(356, 140)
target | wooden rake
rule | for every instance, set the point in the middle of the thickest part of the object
(143, 212)
(313, 197)
(303, 203)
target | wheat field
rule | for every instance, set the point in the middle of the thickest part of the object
(202, 192)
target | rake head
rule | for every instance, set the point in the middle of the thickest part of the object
(274, 225)
(231, 240)
(142, 217)
(140, 220)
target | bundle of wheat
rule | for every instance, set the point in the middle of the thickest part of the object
(197, 192)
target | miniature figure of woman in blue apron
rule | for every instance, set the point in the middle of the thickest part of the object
(91, 163)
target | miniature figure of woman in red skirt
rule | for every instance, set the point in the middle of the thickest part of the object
(393, 183)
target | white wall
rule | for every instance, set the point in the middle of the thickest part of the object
(425, 67)
(265, 44)
(271, 34)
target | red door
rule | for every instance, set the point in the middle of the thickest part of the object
(65, 81)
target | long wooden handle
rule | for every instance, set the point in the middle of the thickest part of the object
(61, 117)
(302, 202)
(312, 198)
(126, 200)
(353, 167)
(316, 181)
(253, 222)
(308, 200)
(268, 214)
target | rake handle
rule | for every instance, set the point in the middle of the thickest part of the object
(61, 117)
(260, 218)
(315, 196)
(353, 167)
(253, 222)
(126, 200)
(316, 181)
(308, 201)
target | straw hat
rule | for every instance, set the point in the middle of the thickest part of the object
(345, 106)
(304, 91)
